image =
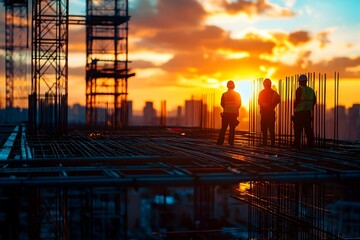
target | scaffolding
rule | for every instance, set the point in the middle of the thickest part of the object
(48, 101)
(107, 69)
(16, 44)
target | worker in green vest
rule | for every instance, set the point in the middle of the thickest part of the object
(305, 99)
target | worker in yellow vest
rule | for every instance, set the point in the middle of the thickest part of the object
(305, 99)
(231, 103)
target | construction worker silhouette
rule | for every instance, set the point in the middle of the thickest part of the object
(231, 103)
(268, 99)
(305, 99)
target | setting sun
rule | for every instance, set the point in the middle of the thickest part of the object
(174, 59)
(244, 87)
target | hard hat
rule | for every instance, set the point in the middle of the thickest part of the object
(302, 78)
(230, 84)
(267, 82)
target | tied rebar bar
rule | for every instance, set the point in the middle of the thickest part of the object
(325, 126)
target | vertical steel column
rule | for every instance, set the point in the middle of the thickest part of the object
(336, 109)
(16, 42)
(49, 88)
(287, 91)
(203, 206)
(107, 70)
(254, 113)
(104, 213)
(287, 211)
(48, 214)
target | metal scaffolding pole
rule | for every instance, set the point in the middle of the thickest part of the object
(16, 42)
(48, 102)
(107, 69)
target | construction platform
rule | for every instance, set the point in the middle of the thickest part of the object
(174, 183)
(170, 156)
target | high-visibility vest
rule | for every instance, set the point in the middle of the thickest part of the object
(306, 100)
(231, 102)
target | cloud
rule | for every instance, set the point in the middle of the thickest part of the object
(77, 71)
(346, 66)
(299, 37)
(201, 51)
(77, 39)
(184, 41)
(254, 8)
(142, 64)
(323, 38)
(251, 43)
(166, 15)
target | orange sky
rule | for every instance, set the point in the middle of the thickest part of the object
(180, 49)
(184, 48)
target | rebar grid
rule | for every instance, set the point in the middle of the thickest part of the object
(280, 210)
(324, 135)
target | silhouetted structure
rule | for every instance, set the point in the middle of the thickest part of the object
(173, 183)
(48, 102)
(16, 42)
(193, 113)
(160, 183)
(107, 70)
(149, 115)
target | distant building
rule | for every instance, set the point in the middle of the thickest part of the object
(342, 123)
(193, 112)
(179, 116)
(13, 115)
(76, 114)
(130, 110)
(149, 114)
(354, 122)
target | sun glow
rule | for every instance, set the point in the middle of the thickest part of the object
(244, 87)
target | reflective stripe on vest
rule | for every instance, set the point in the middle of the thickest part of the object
(306, 100)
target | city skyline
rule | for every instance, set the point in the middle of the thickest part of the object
(182, 48)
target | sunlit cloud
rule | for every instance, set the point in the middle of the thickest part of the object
(299, 37)
(180, 47)
(233, 55)
(254, 8)
(154, 57)
(76, 59)
(323, 37)
(355, 69)
(268, 71)
(148, 73)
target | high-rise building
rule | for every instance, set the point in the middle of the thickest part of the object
(193, 110)
(354, 122)
(149, 114)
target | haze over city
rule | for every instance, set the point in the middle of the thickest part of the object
(123, 134)
(180, 49)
